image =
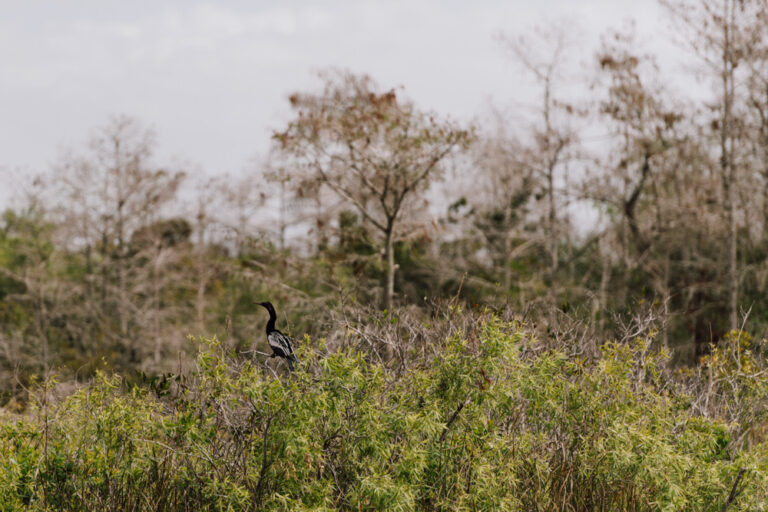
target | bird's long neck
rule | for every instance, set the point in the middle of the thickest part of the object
(272, 320)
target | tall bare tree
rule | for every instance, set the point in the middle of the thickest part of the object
(542, 54)
(105, 196)
(717, 32)
(757, 104)
(637, 181)
(374, 150)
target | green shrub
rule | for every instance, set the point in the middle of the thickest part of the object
(486, 425)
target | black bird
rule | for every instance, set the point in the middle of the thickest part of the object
(281, 345)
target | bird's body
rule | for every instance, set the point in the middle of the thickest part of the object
(281, 345)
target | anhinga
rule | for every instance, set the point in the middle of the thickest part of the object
(281, 345)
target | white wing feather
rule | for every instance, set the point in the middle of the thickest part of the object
(280, 341)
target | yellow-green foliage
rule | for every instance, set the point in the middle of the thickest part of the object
(485, 426)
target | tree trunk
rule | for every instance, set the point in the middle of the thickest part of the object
(733, 277)
(727, 167)
(104, 271)
(598, 313)
(507, 255)
(389, 254)
(552, 244)
(200, 300)
(764, 140)
(202, 273)
(765, 194)
(156, 307)
(553, 236)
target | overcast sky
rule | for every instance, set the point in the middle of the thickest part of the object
(212, 77)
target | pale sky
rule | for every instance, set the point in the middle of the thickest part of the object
(212, 77)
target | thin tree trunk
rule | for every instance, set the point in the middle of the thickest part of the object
(283, 209)
(89, 298)
(727, 168)
(666, 295)
(765, 194)
(104, 271)
(389, 254)
(553, 241)
(507, 258)
(202, 272)
(553, 160)
(121, 306)
(200, 300)
(733, 276)
(764, 133)
(602, 295)
(121, 192)
(156, 306)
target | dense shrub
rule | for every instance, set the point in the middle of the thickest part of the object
(488, 424)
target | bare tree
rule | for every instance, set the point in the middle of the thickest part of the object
(636, 177)
(716, 30)
(542, 54)
(756, 48)
(105, 196)
(375, 151)
(502, 199)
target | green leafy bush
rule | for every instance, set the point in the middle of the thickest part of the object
(485, 425)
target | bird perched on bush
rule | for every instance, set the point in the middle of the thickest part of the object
(281, 345)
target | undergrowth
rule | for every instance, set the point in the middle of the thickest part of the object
(489, 422)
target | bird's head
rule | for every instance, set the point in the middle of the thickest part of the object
(267, 305)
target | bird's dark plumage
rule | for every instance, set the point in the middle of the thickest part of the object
(281, 345)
